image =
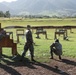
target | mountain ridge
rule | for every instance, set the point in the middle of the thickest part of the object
(44, 7)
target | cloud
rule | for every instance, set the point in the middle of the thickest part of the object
(7, 0)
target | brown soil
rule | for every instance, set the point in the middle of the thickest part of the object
(66, 66)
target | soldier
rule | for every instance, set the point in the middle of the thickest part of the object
(56, 48)
(28, 44)
(2, 33)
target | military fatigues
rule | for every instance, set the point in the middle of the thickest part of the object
(2, 34)
(28, 44)
(56, 48)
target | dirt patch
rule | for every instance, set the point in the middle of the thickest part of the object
(66, 66)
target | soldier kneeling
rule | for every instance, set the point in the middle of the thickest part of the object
(56, 48)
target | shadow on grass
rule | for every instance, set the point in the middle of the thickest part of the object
(16, 61)
(69, 62)
(26, 62)
(10, 70)
(56, 70)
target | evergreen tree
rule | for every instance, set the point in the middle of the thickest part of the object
(7, 14)
(1, 14)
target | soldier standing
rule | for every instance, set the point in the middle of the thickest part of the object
(28, 44)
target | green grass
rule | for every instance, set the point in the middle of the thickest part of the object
(37, 22)
(42, 45)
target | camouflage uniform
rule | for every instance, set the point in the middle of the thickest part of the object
(56, 48)
(28, 44)
(2, 34)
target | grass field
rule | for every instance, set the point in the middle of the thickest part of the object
(38, 22)
(42, 45)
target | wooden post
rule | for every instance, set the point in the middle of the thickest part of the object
(0, 51)
(17, 38)
(46, 35)
(0, 25)
(64, 36)
(66, 32)
(14, 49)
(19, 32)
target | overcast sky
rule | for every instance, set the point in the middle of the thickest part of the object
(7, 0)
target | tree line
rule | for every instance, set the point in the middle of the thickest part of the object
(5, 14)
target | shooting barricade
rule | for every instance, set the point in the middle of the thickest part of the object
(6, 41)
(41, 31)
(59, 32)
(19, 32)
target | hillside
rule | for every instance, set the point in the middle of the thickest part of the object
(45, 7)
